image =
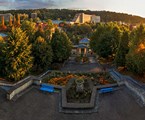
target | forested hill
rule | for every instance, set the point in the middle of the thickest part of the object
(66, 14)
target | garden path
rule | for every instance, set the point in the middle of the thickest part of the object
(72, 66)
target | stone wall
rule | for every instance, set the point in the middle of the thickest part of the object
(18, 88)
(131, 84)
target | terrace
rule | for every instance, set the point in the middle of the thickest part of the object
(121, 104)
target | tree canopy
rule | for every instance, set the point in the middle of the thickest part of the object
(16, 60)
(136, 55)
(61, 46)
(42, 54)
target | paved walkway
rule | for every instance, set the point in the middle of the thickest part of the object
(36, 105)
(72, 66)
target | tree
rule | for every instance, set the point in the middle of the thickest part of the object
(18, 20)
(42, 54)
(14, 21)
(101, 40)
(10, 21)
(48, 30)
(95, 37)
(136, 55)
(1, 39)
(105, 40)
(30, 28)
(77, 32)
(2, 21)
(3, 26)
(16, 56)
(40, 31)
(61, 46)
(116, 36)
(104, 47)
(120, 58)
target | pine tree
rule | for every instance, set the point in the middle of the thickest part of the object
(16, 55)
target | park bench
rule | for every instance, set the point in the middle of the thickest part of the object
(47, 88)
(106, 90)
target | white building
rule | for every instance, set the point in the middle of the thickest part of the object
(83, 18)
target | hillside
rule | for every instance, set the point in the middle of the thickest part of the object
(66, 14)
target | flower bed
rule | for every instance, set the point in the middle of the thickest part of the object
(62, 78)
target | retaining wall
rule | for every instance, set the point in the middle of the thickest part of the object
(134, 86)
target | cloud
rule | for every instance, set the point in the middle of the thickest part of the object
(27, 4)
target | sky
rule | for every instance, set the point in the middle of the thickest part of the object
(135, 7)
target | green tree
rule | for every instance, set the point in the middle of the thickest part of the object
(42, 54)
(120, 58)
(61, 46)
(101, 40)
(30, 28)
(105, 39)
(48, 30)
(104, 47)
(136, 55)
(116, 36)
(16, 55)
(40, 31)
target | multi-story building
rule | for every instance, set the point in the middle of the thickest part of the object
(33, 15)
(83, 18)
(6, 16)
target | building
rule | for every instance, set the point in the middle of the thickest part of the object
(83, 18)
(33, 15)
(3, 36)
(6, 16)
(82, 48)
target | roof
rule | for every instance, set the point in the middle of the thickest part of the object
(80, 46)
(3, 35)
(84, 40)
